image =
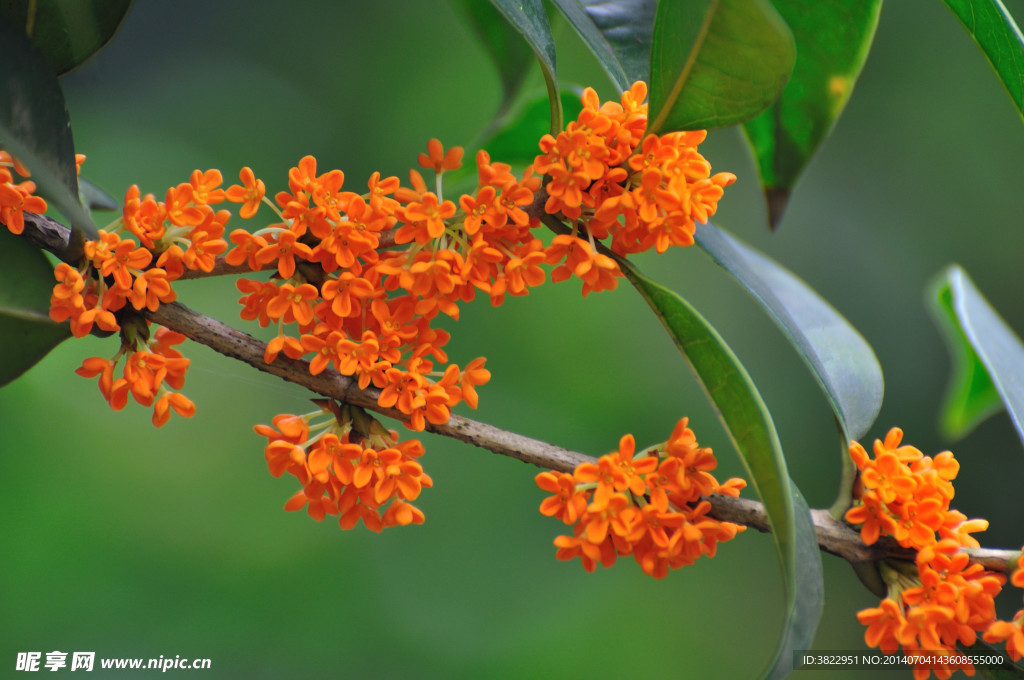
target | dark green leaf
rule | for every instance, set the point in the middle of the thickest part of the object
(529, 18)
(840, 359)
(618, 33)
(1007, 670)
(67, 31)
(506, 47)
(999, 38)
(833, 38)
(95, 198)
(34, 124)
(716, 63)
(750, 426)
(26, 331)
(988, 358)
(807, 603)
(518, 133)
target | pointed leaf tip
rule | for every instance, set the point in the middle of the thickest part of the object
(777, 200)
(833, 40)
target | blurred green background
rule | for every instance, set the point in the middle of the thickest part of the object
(130, 541)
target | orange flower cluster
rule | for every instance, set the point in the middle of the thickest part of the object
(1011, 632)
(118, 272)
(904, 494)
(361, 276)
(16, 199)
(650, 506)
(364, 311)
(181, 232)
(349, 466)
(150, 369)
(612, 181)
(943, 599)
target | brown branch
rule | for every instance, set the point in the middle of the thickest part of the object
(834, 536)
(242, 346)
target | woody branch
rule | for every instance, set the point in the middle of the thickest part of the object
(834, 536)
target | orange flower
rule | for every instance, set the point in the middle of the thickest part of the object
(566, 504)
(205, 185)
(15, 201)
(890, 478)
(284, 251)
(293, 303)
(477, 209)
(1011, 633)
(150, 289)
(121, 259)
(181, 404)
(292, 348)
(883, 624)
(246, 247)
(206, 242)
(250, 193)
(346, 294)
(425, 220)
(437, 159)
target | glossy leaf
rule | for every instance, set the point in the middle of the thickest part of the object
(26, 331)
(504, 44)
(716, 63)
(841, 361)
(67, 31)
(34, 125)
(750, 427)
(988, 358)
(833, 38)
(618, 33)
(529, 18)
(998, 36)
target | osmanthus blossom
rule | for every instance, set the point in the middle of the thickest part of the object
(639, 504)
(340, 300)
(359, 278)
(943, 599)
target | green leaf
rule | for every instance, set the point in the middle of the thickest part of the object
(750, 427)
(618, 33)
(716, 63)
(26, 331)
(529, 18)
(516, 140)
(1007, 670)
(510, 54)
(839, 357)
(999, 38)
(67, 31)
(34, 125)
(988, 358)
(96, 198)
(833, 38)
(807, 600)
